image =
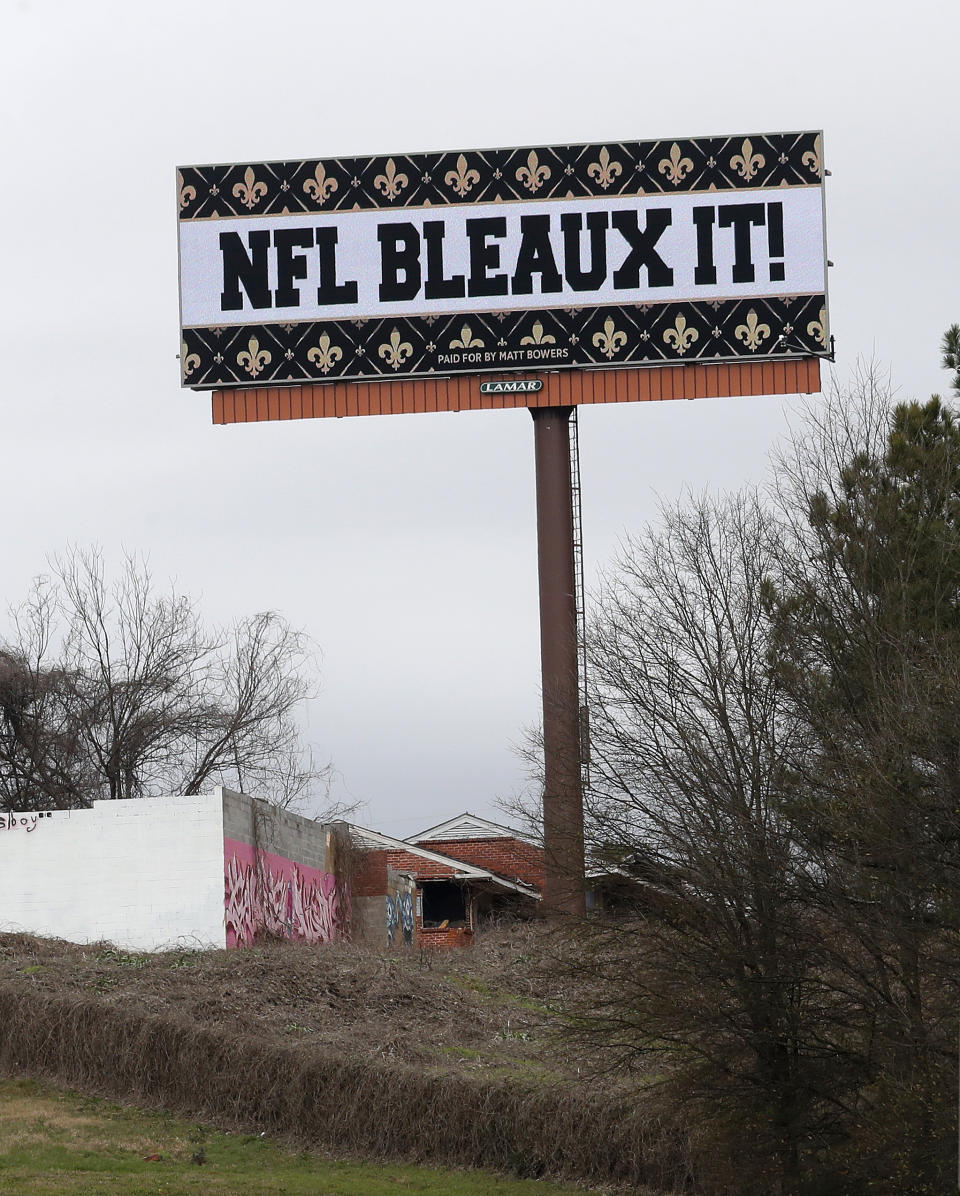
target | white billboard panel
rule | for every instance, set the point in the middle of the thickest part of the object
(634, 254)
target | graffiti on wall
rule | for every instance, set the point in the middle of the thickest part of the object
(267, 894)
(400, 915)
(405, 910)
(16, 822)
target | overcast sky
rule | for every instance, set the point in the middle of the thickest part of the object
(405, 545)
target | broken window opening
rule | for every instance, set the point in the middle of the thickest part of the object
(444, 903)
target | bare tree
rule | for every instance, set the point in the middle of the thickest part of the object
(138, 662)
(42, 761)
(251, 732)
(111, 690)
(693, 750)
(775, 701)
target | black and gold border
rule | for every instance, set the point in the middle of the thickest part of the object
(556, 338)
(484, 176)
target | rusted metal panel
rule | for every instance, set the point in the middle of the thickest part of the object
(563, 389)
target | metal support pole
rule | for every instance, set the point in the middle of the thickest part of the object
(562, 796)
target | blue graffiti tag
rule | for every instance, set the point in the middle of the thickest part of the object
(405, 910)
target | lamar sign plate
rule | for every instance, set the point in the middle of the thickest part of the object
(614, 254)
(522, 386)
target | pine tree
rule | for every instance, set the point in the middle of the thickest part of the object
(950, 348)
(867, 644)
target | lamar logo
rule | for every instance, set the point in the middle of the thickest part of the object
(523, 386)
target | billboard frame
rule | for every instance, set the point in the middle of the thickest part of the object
(606, 335)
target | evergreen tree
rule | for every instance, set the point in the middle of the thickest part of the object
(866, 640)
(950, 348)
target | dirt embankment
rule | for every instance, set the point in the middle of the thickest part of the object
(481, 1008)
(442, 1057)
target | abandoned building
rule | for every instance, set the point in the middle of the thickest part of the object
(225, 870)
(467, 871)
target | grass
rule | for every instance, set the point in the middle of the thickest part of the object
(501, 994)
(58, 1143)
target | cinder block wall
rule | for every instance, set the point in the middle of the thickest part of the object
(278, 875)
(144, 874)
(261, 825)
(370, 919)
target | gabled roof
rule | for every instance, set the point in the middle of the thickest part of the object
(469, 826)
(461, 870)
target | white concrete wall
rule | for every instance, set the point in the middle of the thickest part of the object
(143, 874)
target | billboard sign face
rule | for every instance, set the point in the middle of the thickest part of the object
(616, 254)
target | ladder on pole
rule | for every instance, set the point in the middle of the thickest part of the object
(580, 600)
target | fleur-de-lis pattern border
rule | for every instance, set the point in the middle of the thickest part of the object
(645, 334)
(602, 169)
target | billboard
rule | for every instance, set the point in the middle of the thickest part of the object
(541, 258)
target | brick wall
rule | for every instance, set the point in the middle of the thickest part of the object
(507, 857)
(406, 861)
(370, 878)
(452, 936)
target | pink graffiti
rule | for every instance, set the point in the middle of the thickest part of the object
(269, 894)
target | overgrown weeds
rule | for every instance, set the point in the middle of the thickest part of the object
(341, 1048)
